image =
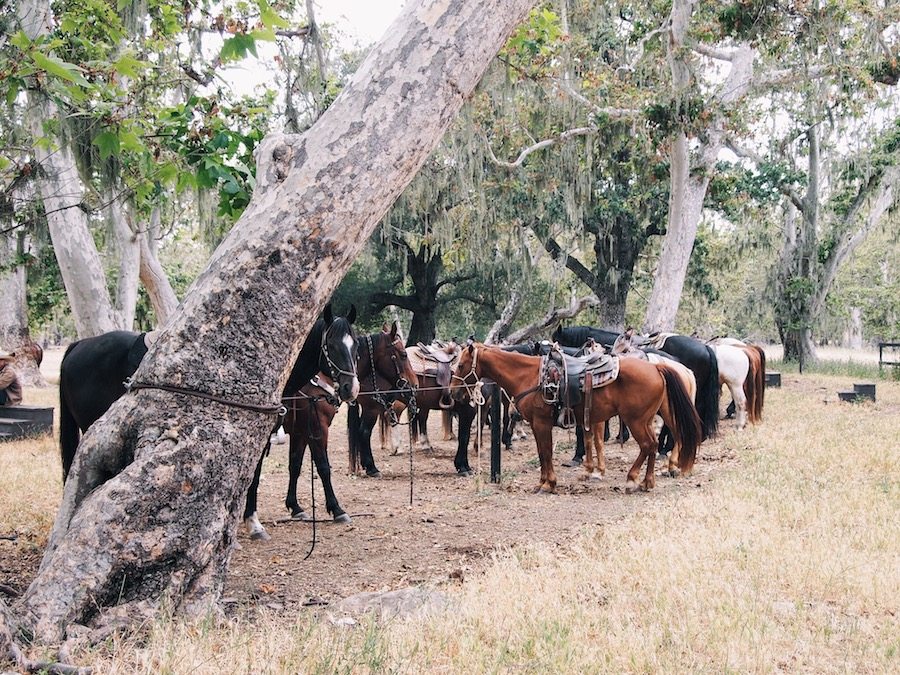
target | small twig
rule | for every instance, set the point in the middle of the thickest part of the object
(9, 590)
(9, 537)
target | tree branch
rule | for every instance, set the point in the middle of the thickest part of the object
(573, 264)
(457, 279)
(552, 318)
(382, 300)
(747, 153)
(560, 138)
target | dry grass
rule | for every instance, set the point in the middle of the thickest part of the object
(789, 563)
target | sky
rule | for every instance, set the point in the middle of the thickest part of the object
(362, 20)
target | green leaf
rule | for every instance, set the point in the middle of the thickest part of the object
(270, 17)
(20, 41)
(61, 69)
(129, 66)
(130, 141)
(108, 144)
(167, 173)
(266, 34)
(13, 85)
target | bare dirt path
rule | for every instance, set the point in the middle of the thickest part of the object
(449, 531)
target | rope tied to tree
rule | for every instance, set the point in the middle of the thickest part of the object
(271, 409)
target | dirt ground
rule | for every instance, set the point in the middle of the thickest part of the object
(448, 531)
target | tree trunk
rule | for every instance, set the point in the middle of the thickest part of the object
(128, 249)
(162, 529)
(62, 192)
(152, 274)
(14, 334)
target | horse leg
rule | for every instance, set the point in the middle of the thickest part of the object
(593, 442)
(295, 464)
(543, 437)
(579, 455)
(466, 415)
(643, 434)
(319, 450)
(447, 425)
(366, 460)
(420, 425)
(740, 402)
(251, 521)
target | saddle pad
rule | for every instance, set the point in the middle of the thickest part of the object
(657, 340)
(602, 373)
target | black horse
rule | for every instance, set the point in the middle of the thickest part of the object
(93, 372)
(695, 355)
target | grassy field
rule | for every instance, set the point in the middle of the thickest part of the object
(790, 562)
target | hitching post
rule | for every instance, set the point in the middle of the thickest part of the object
(495, 434)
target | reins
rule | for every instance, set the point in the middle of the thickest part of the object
(278, 409)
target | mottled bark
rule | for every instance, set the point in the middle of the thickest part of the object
(163, 527)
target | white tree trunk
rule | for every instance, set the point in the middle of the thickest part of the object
(14, 334)
(153, 276)
(690, 178)
(61, 191)
(162, 529)
(128, 248)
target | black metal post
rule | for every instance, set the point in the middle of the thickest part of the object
(495, 435)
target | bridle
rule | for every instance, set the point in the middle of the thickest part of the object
(334, 369)
(473, 389)
(401, 384)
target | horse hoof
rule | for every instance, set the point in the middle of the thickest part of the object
(373, 474)
(671, 473)
(630, 487)
(262, 535)
(464, 473)
(298, 515)
(575, 461)
(595, 475)
(343, 518)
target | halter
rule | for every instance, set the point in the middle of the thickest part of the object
(401, 383)
(473, 391)
(335, 371)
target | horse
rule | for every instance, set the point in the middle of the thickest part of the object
(433, 365)
(385, 376)
(755, 390)
(93, 372)
(625, 348)
(742, 370)
(636, 394)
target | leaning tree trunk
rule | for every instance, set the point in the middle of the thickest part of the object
(162, 529)
(153, 276)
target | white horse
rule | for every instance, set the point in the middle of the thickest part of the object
(742, 364)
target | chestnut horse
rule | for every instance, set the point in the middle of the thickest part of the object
(640, 390)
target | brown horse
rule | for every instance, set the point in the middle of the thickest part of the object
(636, 395)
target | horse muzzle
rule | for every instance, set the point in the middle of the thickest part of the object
(349, 390)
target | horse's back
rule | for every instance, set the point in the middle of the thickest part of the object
(93, 371)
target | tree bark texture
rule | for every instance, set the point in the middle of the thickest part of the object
(163, 527)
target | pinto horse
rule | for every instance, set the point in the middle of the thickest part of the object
(639, 391)
(93, 372)
(385, 376)
(742, 369)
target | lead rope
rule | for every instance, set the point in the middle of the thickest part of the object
(312, 478)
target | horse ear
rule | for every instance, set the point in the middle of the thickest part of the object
(327, 315)
(394, 330)
(470, 347)
(351, 315)
(384, 328)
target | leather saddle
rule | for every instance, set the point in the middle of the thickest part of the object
(566, 380)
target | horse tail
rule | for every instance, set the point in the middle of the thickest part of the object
(760, 382)
(69, 432)
(750, 386)
(686, 428)
(708, 397)
(353, 436)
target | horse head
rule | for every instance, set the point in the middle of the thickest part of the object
(465, 374)
(340, 352)
(390, 359)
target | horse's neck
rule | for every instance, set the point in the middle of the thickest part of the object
(513, 372)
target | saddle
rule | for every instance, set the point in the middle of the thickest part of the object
(436, 360)
(565, 380)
